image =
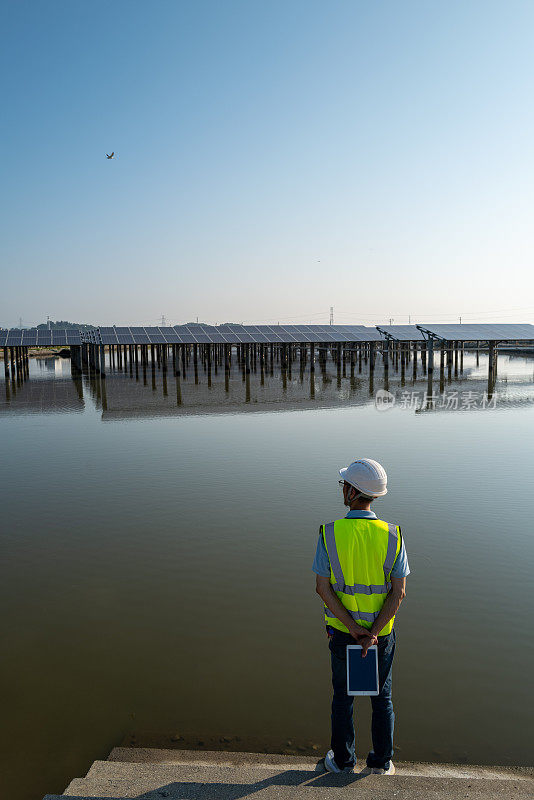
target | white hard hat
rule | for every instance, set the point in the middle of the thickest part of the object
(366, 475)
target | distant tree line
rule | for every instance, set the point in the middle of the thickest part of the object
(61, 324)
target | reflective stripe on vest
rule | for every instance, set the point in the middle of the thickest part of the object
(368, 616)
(360, 588)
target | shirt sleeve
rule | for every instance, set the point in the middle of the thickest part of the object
(321, 562)
(401, 568)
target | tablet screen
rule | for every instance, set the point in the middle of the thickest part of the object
(362, 673)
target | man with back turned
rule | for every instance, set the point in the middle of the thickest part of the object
(361, 568)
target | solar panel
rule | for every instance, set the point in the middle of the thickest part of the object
(152, 332)
(108, 331)
(402, 333)
(482, 332)
(140, 338)
(286, 337)
(136, 331)
(125, 338)
(108, 338)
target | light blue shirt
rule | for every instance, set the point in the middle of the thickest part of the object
(321, 562)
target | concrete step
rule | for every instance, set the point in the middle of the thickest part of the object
(152, 755)
(193, 775)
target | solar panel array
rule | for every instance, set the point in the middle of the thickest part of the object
(260, 334)
(238, 334)
(402, 333)
(39, 337)
(472, 332)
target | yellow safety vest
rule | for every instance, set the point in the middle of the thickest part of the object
(362, 553)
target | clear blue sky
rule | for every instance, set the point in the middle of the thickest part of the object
(276, 158)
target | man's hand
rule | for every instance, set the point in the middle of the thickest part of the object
(363, 637)
(367, 642)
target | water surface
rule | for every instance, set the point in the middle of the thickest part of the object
(158, 536)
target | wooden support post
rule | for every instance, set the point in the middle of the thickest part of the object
(385, 354)
(430, 372)
(102, 361)
(491, 368)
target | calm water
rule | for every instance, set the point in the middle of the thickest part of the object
(157, 549)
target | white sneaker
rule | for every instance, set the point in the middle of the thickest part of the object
(329, 763)
(380, 771)
(331, 766)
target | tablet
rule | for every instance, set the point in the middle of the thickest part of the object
(362, 673)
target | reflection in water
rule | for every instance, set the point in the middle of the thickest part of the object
(200, 387)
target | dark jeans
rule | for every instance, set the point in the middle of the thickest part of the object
(343, 740)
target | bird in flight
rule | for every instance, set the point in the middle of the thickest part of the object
(112, 155)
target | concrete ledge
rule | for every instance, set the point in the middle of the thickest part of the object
(216, 758)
